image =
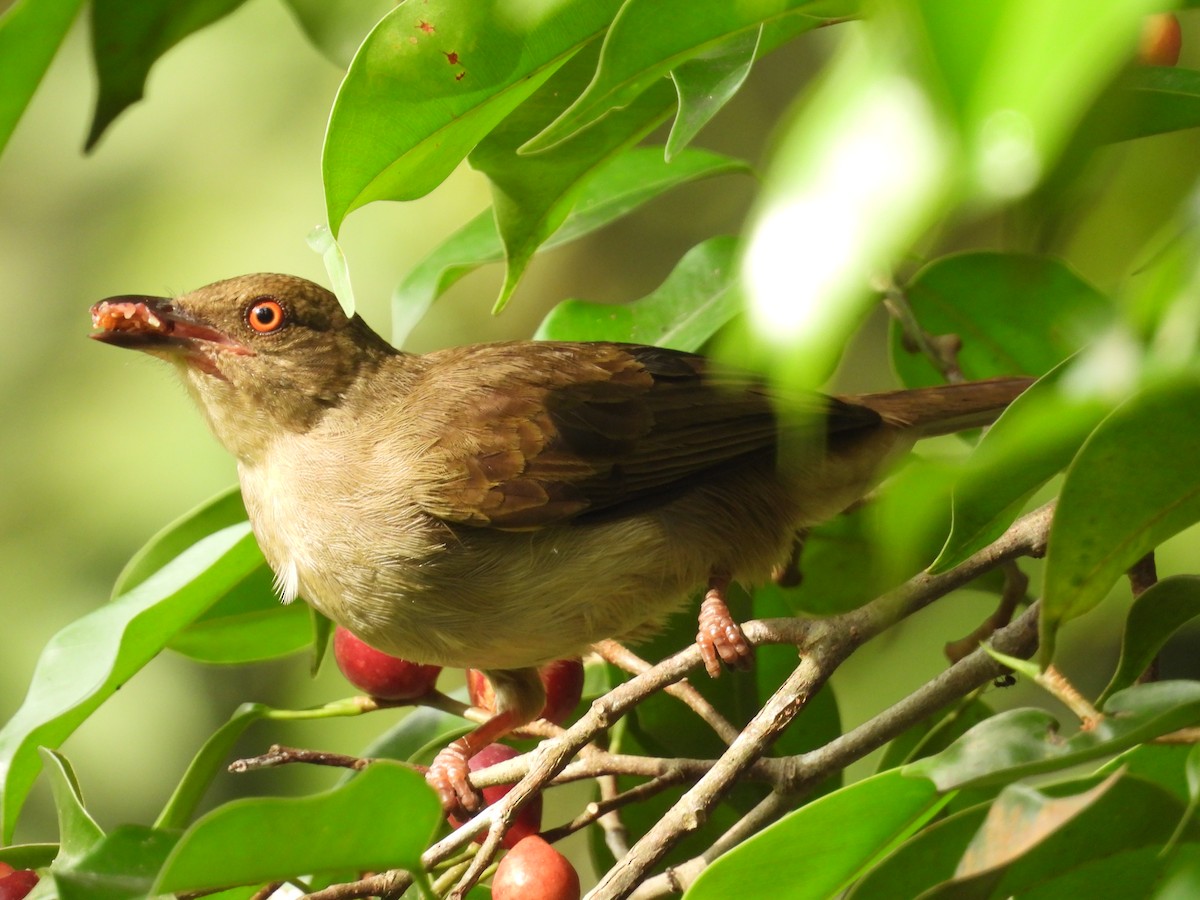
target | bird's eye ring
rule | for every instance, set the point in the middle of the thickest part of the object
(265, 315)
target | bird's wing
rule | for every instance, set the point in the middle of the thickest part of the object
(531, 434)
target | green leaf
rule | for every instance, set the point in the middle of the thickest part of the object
(1162, 764)
(934, 734)
(78, 832)
(1133, 484)
(217, 512)
(248, 624)
(383, 818)
(1019, 819)
(1034, 439)
(206, 765)
(622, 185)
(1152, 100)
(1052, 843)
(532, 195)
(430, 81)
(928, 857)
(1022, 742)
(93, 656)
(697, 298)
(30, 34)
(650, 38)
(706, 83)
(1015, 313)
(1154, 616)
(122, 866)
(128, 39)
(29, 856)
(337, 27)
(818, 850)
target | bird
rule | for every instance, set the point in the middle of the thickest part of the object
(501, 505)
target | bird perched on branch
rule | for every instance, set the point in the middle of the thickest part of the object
(498, 506)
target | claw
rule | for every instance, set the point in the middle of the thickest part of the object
(450, 777)
(719, 637)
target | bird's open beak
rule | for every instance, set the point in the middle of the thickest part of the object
(157, 326)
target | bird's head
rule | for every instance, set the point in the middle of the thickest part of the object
(262, 354)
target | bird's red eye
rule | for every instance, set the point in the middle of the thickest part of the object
(265, 315)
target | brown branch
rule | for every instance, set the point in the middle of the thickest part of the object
(830, 642)
(624, 658)
(827, 641)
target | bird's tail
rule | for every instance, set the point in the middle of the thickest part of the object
(949, 407)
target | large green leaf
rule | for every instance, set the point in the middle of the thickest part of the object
(1022, 742)
(619, 187)
(92, 657)
(30, 32)
(698, 297)
(533, 194)
(430, 81)
(818, 850)
(1015, 313)
(649, 38)
(1132, 485)
(1154, 616)
(382, 818)
(127, 39)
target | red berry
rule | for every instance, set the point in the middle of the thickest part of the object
(529, 819)
(15, 884)
(377, 673)
(562, 679)
(1161, 40)
(533, 870)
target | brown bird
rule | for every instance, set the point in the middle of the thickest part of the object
(498, 506)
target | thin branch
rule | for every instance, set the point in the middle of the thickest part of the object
(624, 658)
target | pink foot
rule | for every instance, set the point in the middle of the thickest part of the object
(719, 637)
(449, 776)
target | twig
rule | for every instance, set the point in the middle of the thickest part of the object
(616, 836)
(828, 641)
(831, 641)
(1016, 586)
(624, 658)
(1054, 681)
(278, 755)
(940, 349)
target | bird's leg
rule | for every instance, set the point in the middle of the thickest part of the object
(788, 574)
(719, 637)
(520, 697)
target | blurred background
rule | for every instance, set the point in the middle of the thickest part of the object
(217, 173)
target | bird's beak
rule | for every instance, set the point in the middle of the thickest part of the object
(157, 326)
